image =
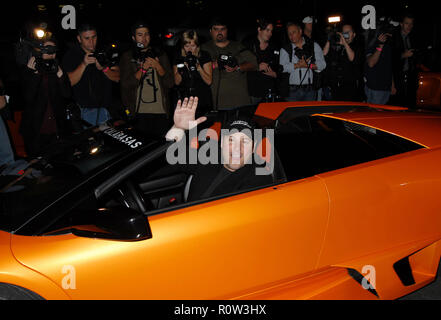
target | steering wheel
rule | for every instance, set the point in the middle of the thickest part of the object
(133, 195)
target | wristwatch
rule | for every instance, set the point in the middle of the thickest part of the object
(238, 69)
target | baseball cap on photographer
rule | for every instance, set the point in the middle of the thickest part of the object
(307, 20)
(139, 24)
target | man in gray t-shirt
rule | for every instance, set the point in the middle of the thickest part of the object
(230, 62)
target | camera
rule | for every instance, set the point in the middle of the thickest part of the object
(334, 37)
(192, 61)
(226, 60)
(46, 66)
(100, 56)
(107, 57)
(307, 52)
(385, 26)
(140, 55)
(272, 59)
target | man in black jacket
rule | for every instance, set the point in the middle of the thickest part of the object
(46, 89)
(404, 63)
(262, 83)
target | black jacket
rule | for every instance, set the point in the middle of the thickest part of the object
(36, 96)
(258, 83)
(398, 49)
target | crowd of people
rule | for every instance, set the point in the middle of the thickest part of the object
(222, 73)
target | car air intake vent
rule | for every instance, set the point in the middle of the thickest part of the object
(404, 271)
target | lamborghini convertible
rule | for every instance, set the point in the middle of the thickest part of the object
(353, 212)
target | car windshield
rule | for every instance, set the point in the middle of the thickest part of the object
(29, 187)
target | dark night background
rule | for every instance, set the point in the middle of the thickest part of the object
(114, 19)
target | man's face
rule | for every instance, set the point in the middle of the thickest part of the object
(87, 40)
(308, 27)
(407, 25)
(294, 34)
(237, 149)
(348, 29)
(266, 33)
(142, 35)
(219, 33)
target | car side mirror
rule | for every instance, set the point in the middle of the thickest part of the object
(118, 223)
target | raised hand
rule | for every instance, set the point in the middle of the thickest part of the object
(184, 117)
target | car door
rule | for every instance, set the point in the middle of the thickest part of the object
(226, 248)
(382, 205)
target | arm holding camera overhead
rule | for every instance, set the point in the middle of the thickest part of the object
(372, 59)
(350, 53)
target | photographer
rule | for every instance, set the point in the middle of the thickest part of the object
(193, 72)
(231, 60)
(91, 81)
(343, 59)
(263, 82)
(301, 58)
(378, 72)
(404, 62)
(146, 77)
(46, 89)
(6, 153)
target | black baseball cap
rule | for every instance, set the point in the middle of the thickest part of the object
(243, 125)
(139, 24)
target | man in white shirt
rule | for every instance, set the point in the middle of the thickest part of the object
(301, 58)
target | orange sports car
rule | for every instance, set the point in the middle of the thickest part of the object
(354, 212)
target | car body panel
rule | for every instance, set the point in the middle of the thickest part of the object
(388, 192)
(419, 128)
(223, 249)
(13, 272)
(273, 110)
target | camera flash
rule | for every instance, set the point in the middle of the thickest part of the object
(39, 33)
(334, 19)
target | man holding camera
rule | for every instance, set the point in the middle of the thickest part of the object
(91, 81)
(343, 60)
(262, 84)
(378, 74)
(146, 78)
(231, 60)
(301, 58)
(46, 89)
